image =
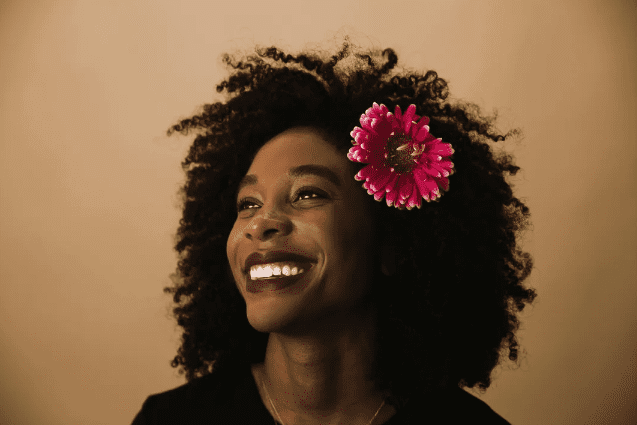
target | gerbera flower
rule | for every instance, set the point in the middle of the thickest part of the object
(405, 161)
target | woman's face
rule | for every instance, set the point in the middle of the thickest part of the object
(325, 219)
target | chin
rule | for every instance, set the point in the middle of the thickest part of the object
(267, 315)
(279, 316)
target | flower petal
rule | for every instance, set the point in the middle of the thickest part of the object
(358, 154)
(406, 186)
(424, 121)
(442, 149)
(443, 183)
(377, 110)
(398, 113)
(380, 180)
(422, 133)
(397, 126)
(414, 199)
(367, 125)
(448, 165)
(391, 184)
(361, 137)
(365, 173)
(376, 170)
(379, 195)
(408, 117)
(426, 187)
(424, 168)
(391, 197)
(410, 112)
(442, 170)
(406, 126)
(356, 131)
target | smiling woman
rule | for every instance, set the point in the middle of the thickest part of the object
(302, 299)
(327, 234)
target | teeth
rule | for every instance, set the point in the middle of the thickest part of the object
(274, 269)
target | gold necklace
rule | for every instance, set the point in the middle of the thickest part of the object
(281, 420)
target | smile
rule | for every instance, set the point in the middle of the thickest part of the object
(275, 270)
(270, 281)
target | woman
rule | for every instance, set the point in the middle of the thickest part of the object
(304, 300)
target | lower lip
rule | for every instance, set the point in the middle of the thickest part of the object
(275, 283)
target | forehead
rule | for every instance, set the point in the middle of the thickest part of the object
(294, 147)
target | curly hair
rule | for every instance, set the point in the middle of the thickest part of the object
(451, 308)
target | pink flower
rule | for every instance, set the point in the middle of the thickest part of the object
(405, 161)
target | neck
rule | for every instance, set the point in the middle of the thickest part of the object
(325, 372)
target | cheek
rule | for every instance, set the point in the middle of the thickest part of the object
(231, 244)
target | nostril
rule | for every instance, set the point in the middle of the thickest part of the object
(269, 232)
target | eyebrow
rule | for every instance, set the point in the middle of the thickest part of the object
(298, 171)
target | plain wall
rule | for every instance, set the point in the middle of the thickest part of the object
(89, 180)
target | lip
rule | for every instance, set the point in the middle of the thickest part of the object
(275, 257)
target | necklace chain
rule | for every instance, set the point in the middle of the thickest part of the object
(281, 420)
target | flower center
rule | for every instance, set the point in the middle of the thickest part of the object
(400, 154)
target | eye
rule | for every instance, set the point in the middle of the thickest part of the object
(308, 193)
(242, 202)
(301, 193)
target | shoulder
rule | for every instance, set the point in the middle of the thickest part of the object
(222, 397)
(182, 404)
(450, 407)
(476, 408)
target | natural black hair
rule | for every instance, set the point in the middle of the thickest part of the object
(450, 312)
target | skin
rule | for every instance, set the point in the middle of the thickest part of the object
(322, 332)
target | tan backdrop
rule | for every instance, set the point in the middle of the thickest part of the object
(89, 182)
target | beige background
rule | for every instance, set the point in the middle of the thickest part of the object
(89, 182)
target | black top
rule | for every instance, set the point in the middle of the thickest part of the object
(232, 398)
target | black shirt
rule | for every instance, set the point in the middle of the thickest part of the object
(232, 398)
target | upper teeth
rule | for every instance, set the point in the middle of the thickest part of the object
(274, 269)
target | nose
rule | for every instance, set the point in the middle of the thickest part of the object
(267, 225)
